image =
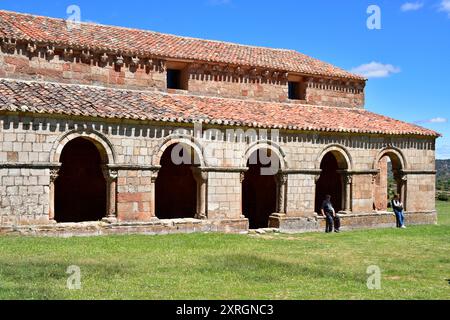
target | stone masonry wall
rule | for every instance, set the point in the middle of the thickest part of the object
(335, 98)
(224, 195)
(240, 88)
(29, 146)
(421, 190)
(69, 69)
(300, 195)
(134, 195)
(24, 196)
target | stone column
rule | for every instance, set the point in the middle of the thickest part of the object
(376, 206)
(201, 178)
(348, 180)
(316, 181)
(153, 177)
(54, 174)
(282, 191)
(401, 179)
(111, 194)
(241, 199)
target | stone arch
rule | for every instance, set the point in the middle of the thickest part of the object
(335, 163)
(274, 147)
(182, 139)
(163, 176)
(396, 155)
(382, 188)
(107, 158)
(104, 146)
(341, 153)
(264, 186)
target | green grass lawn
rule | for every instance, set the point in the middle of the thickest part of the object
(415, 264)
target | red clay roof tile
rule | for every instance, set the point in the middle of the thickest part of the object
(64, 99)
(116, 39)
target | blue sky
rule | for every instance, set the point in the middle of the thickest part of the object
(408, 59)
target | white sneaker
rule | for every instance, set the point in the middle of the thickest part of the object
(404, 227)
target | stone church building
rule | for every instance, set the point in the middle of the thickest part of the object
(93, 121)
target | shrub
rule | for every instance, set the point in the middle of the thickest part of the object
(443, 197)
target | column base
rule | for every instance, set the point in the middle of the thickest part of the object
(293, 224)
(110, 220)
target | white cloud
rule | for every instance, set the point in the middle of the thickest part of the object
(438, 120)
(445, 6)
(376, 70)
(411, 6)
(433, 120)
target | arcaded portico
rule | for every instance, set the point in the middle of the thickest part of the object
(101, 141)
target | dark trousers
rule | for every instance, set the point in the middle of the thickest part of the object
(332, 221)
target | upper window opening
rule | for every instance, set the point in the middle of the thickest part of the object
(296, 91)
(173, 79)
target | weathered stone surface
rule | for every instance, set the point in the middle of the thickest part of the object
(25, 186)
(155, 227)
(131, 144)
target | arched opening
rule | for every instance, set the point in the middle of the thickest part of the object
(176, 186)
(80, 189)
(260, 188)
(331, 181)
(388, 181)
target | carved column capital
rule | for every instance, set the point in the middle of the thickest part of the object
(282, 178)
(242, 177)
(154, 176)
(348, 178)
(199, 174)
(400, 176)
(316, 178)
(374, 177)
(113, 174)
(54, 174)
(110, 174)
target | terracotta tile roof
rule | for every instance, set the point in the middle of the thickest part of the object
(90, 101)
(116, 39)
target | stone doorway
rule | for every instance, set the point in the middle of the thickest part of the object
(80, 189)
(330, 183)
(260, 189)
(389, 181)
(176, 187)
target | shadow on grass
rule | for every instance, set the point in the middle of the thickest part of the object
(47, 280)
(252, 268)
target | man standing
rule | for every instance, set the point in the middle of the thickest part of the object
(397, 205)
(331, 216)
